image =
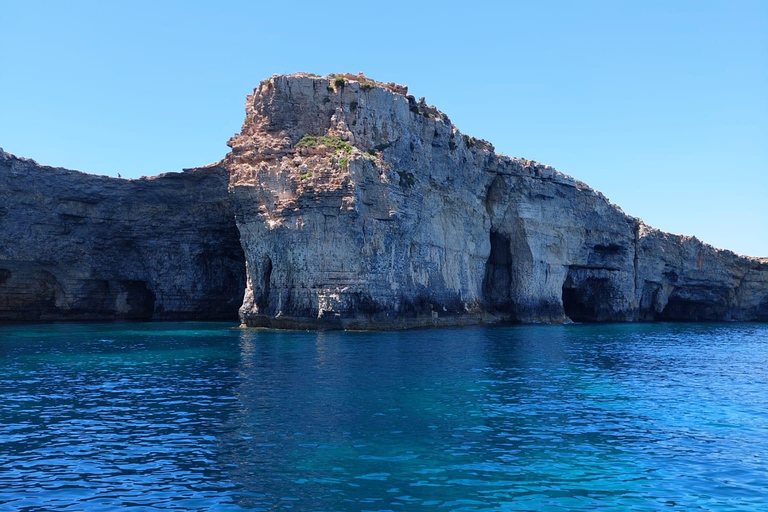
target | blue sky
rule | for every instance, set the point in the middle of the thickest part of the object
(660, 105)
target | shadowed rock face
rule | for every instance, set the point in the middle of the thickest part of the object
(359, 207)
(82, 247)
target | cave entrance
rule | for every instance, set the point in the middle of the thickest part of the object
(696, 304)
(266, 276)
(575, 307)
(135, 300)
(498, 274)
(588, 298)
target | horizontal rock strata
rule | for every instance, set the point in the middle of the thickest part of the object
(360, 207)
(79, 247)
(347, 203)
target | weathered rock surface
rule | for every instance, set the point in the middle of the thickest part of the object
(77, 246)
(359, 207)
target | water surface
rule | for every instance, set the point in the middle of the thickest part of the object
(203, 416)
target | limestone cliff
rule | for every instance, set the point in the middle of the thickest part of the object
(357, 207)
(360, 207)
(77, 246)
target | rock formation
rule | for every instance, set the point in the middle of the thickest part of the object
(360, 207)
(357, 207)
(82, 247)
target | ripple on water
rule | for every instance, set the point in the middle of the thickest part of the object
(201, 416)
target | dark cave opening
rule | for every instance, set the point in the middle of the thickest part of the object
(762, 311)
(686, 309)
(587, 301)
(266, 276)
(574, 308)
(139, 300)
(498, 274)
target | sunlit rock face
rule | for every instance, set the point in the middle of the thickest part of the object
(75, 246)
(360, 207)
(357, 207)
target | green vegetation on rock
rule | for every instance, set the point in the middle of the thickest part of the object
(334, 143)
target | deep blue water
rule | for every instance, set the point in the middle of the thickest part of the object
(203, 416)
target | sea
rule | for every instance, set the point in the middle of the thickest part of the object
(210, 417)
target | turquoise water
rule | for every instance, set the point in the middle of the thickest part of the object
(203, 416)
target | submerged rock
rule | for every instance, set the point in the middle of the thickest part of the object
(360, 207)
(83, 247)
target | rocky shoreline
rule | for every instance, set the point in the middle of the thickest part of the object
(347, 203)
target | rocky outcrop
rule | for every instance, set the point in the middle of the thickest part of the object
(357, 207)
(77, 246)
(360, 207)
(682, 278)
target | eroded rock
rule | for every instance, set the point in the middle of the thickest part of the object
(360, 207)
(79, 247)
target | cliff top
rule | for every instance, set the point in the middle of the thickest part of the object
(341, 79)
(18, 162)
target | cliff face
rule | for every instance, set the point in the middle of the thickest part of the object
(361, 207)
(77, 246)
(357, 207)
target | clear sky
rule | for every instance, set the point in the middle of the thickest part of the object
(660, 105)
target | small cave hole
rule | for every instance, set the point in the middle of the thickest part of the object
(498, 274)
(266, 276)
(574, 308)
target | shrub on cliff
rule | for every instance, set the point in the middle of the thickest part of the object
(334, 143)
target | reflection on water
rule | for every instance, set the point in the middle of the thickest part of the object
(205, 416)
